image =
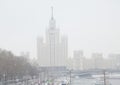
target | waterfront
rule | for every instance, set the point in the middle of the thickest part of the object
(82, 81)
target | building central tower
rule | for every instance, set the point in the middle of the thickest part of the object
(52, 52)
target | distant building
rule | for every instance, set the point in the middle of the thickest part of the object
(70, 63)
(78, 60)
(88, 63)
(98, 60)
(25, 55)
(52, 52)
(114, 61)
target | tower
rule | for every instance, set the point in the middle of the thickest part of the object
(54, 50)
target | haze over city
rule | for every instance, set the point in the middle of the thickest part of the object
(59, 42)
(91, 25)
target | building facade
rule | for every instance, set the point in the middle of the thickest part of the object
(78, 59)
(52, 51)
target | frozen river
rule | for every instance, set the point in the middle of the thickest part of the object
(82, 81)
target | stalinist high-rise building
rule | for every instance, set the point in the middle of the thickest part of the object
(52, 51)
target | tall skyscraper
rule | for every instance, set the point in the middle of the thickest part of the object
(52, 52)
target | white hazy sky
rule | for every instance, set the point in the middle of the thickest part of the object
(91, 25)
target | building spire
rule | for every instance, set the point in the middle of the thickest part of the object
(52, 22)
(52, 16)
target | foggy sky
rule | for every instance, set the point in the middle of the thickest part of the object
(91, 25)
